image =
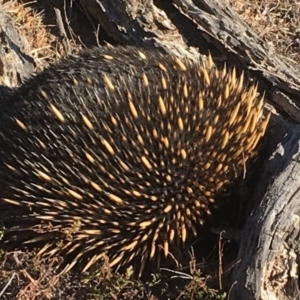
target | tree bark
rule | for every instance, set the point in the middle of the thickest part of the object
(15, 64)
(268, 259)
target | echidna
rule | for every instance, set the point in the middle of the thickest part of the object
(123, 150)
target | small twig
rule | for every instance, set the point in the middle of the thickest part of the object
(62, 31)
(220, 260)
(178, 274)
(9, 282)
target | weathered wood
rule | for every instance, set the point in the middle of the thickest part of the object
(268, 258)
(15, 63)
(141, 23)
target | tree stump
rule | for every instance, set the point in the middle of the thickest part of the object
(268, 258)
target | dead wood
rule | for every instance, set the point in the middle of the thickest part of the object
(15, 62)
(268, 259)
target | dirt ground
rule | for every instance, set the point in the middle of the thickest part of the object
(22, 274)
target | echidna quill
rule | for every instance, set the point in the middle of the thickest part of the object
(123, 150)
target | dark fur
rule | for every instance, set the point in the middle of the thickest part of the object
(64, 158)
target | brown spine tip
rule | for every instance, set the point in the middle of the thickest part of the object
(57, 113)
(137, 157)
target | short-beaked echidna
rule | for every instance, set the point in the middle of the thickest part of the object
(124, 149)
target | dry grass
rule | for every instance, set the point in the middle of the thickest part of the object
(41, 44)
(275, 21)
(25, 276)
